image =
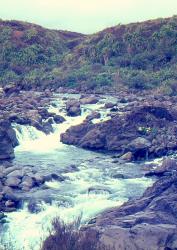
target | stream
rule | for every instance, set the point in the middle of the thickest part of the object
(83, 170)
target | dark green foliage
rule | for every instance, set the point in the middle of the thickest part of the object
(145, 55)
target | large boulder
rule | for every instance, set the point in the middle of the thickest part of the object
(139, 146)
(73, 108)
(89, 100)
(8, 140)
(58, 119)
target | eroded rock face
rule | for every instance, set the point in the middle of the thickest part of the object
(147, 223)
(8, 140)
(144, 131)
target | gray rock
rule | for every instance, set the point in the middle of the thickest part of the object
(89, 100)
(12, 182)
(139, 143)
(147, 223)
(73, 108)
(27, 182)
(16, 173)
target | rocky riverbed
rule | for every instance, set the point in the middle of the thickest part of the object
(115, 137)
(145, 223)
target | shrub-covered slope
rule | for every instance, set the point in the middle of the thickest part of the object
(138, 55)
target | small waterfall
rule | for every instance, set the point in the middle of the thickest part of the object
(26, 133)
(70, 197)
(33, 140)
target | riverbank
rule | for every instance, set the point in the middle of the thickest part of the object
(66, 180)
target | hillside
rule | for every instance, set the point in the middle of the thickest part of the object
(138, 55)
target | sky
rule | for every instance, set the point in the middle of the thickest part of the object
(85, 16)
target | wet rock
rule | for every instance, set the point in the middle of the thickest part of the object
(71, 168)
(168, 166)
(89, 100)
(141, 131)
(53, 176)
(127, 157)
(59, 119)
(1, 196)
(8, 140)
(139, 147)
(93, 115)
(45, 114)
(9, 203)
(9, 170)
(47, 127)
(2, 216)
(7, 191)
(148, 222)
(114, 109)
(120, 176)
(139, 143)
(39, 179)
(27, 183)
(109, 105)
(12, 182)
(99, 189)
(123, 100)
(8, 195)
(35, 206)
(73, 108)
(19, 119)
(93, 139)
(16, 173)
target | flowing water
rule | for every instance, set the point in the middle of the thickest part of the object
(68, 199)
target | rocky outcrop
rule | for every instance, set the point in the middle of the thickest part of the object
(145, 131)
(147, 223)
(8, 140)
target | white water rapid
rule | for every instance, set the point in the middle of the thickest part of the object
(70, 198)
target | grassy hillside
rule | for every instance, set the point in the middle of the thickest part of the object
(139, 55)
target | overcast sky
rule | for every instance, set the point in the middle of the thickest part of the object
(86, 16)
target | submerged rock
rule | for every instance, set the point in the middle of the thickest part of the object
(35, 206)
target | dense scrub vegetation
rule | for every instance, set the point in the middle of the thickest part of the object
(69, 237)
(139, 55)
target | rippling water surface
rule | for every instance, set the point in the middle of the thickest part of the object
(87, 191)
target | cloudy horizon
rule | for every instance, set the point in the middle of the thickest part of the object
(85, 16)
